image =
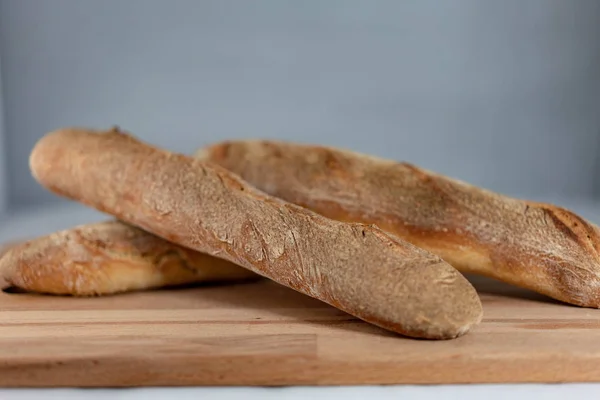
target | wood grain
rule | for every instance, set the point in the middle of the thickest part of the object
(264, 334)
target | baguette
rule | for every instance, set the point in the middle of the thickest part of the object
(355, 267)
(533, 245)
(4, 248)
(106, 258)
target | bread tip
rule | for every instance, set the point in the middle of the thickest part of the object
(7, 267)
(464, 309)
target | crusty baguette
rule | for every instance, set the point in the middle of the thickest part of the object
(109, 257)
(4, 248)
(354, 267)
(533, 245)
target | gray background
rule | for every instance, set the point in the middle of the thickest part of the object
(3, 154)
(504, 94)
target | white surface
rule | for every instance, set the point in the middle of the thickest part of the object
(43, 221)
(446, 392)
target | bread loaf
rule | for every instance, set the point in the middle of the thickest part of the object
(355, 267)
(537, 246)
(106, 258)
(4, 248)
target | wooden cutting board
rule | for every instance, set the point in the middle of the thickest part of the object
(264, 334)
